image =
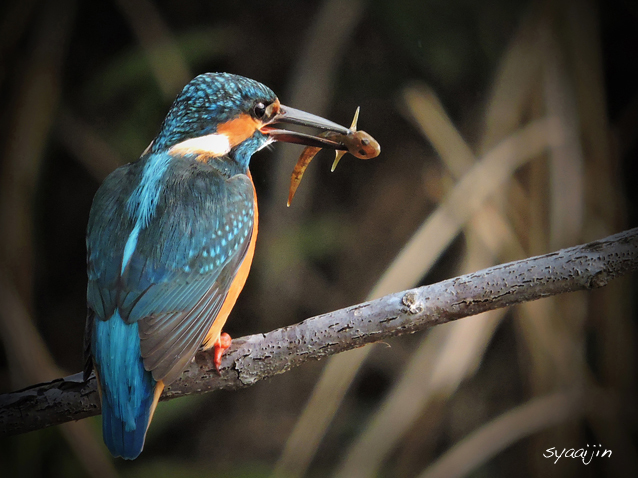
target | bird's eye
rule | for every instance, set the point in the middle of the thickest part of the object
(260, 110)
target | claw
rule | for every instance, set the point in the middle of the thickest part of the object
(223, 342)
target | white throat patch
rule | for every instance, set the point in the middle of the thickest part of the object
(211, 145)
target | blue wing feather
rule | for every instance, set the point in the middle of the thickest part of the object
(157, 279)
(191, 247)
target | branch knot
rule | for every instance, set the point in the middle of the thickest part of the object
(412, 303)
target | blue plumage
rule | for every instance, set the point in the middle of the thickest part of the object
(153, 263)
(207, 101)
(167, 239)
(127, 388)
(148, 273)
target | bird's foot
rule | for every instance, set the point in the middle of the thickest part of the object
(223, 342)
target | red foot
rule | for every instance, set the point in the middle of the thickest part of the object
(223, 342)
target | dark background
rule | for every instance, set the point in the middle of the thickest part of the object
(84, 87)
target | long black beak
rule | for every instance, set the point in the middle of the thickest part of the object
(294, 116)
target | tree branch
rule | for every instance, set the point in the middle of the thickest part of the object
(256, 357)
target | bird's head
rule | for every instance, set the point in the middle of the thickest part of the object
(219, 114)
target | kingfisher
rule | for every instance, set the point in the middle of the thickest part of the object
(170, 242)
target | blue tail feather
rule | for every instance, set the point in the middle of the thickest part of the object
(120, 441)
(127, 388)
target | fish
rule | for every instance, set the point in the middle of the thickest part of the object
(358, 143)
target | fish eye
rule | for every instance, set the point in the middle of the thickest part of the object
(259, 109)
(365, 141)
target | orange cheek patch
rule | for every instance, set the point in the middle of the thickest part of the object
(239, 129)
(276, 107)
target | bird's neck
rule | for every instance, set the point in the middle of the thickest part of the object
(238, 158)
(243, 152)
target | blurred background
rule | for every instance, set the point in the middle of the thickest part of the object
(508, 129)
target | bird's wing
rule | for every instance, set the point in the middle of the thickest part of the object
(181, 269)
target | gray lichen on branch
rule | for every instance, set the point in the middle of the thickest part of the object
(256, 357)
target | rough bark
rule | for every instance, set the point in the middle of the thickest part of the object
(256, 357)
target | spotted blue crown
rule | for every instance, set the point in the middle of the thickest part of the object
(207, 101)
